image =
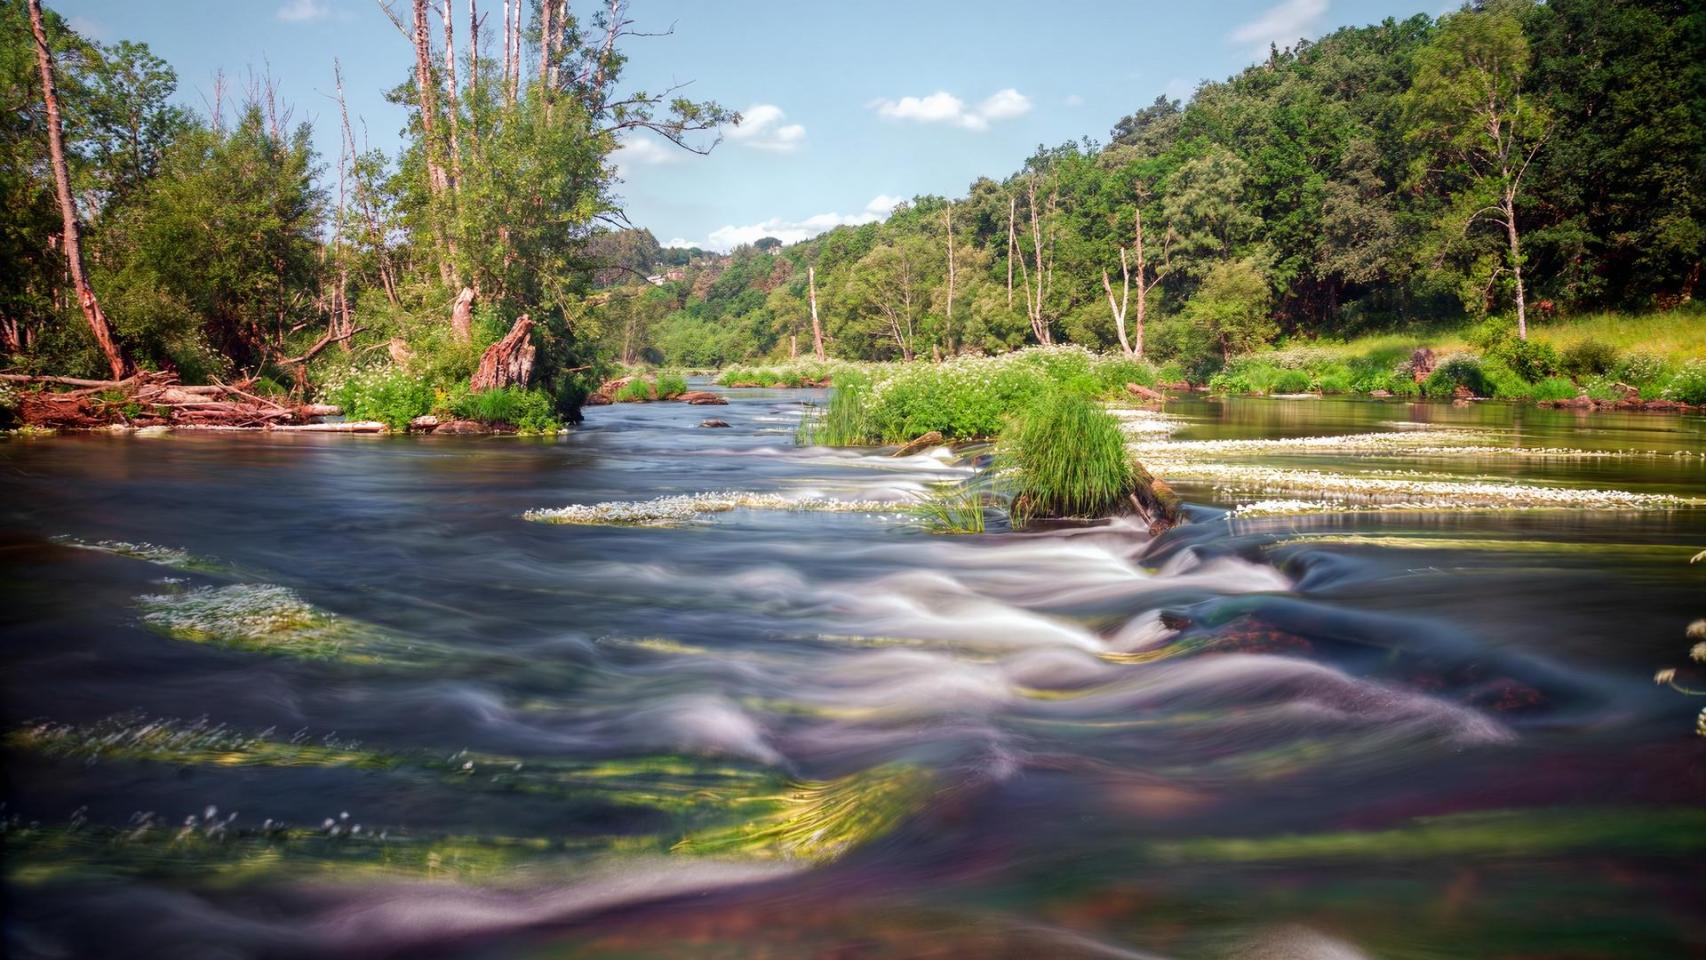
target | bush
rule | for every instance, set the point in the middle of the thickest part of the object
(1290, 381)
(1531, 360)
(388, 394)
(1458, 370)
(636, 390)
(529, 411)
(1334, 382)
(1553, 388)
(1065, 456)
(1688, 384)
(1503, 382)
(1642, 369)
(1113, 373)
(1589, 358)
(671, 385)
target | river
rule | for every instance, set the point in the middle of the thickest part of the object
(335, 696)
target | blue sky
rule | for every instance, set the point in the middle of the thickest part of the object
(851, 106)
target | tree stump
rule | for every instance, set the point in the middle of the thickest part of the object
(509, 362)
(462, 315)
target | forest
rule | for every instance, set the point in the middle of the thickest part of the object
(1512, 162)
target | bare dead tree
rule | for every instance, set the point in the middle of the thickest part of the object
(1145, 282)
(817, 328)
(73, 241)
(453, 111)
(1012, 245)
(1037, 287)
(948, 322)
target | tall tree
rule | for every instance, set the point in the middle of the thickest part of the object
(1480, 129)
(72, 235)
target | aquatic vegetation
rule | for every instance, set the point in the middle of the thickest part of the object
(691, 508)
(1405, 490)
(1065, 457)
(820, 821)
(198, 742)
(952, 508)
(262, 618)
(148, 552)
(1427, 442)
(1509, 833)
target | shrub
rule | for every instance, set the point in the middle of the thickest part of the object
(1334, 382)
(1553, 388)
(1065, 456)
(1458, 370)
(671, 385)
(1688, 384)
(1503, 382)
(636, 390)
(1113, 373)
(529, 411)
(1589, 358)
(388, 394)
(1641, 369)
(1530, 359)
(1290, 381)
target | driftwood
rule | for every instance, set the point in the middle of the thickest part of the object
(509, 362)
(150, 398)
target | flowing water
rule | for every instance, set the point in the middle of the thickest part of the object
(340, 696)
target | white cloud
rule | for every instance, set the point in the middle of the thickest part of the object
(945, 108)
(1283, 24)
(1073, 100)
(728, 237)
(642, 151)
(301, 11)
(761, 127)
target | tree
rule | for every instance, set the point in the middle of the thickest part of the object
(71, 237)
(1147, 280)
(888, 284)
(1232, 305)
(1480, 130)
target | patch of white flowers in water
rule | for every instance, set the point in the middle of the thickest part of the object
(1145, 423)
(691, 508)
(1410, 443)
(148, 552)
(1405, 491)
(262, 617)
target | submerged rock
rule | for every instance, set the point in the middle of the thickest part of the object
(713, 423)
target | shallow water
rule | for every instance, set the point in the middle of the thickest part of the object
(359, 706)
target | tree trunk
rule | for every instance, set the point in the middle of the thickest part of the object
(1012, 244)
(1119, 309)
(509, 362)
(817, 328)
(948, 322)
(67, 208)
(1516, 265)
(1143, 284)
(545, 54)
(437, 178)
(462, 316)
(452, 108)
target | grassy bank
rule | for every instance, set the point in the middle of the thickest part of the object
(1606, 356)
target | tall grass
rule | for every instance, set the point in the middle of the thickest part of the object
(953, 508)
(1065, 456)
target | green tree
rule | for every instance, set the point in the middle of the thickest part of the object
(1232, 305)
(1479, 129)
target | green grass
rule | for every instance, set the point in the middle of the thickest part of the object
(952, 508)
(1065, 457)
(529, 411)
(1676, 335)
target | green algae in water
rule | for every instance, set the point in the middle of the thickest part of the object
(193, 743)
(260, 618)
(1503, 833)
(820, 821)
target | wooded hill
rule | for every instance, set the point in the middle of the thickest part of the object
(1512, 159)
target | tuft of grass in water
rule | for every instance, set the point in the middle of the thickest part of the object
(952, 508)
(845, 422)
(262, 618)
(634, 391)
(820, 821)
(1065, 457)
(193, 743)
